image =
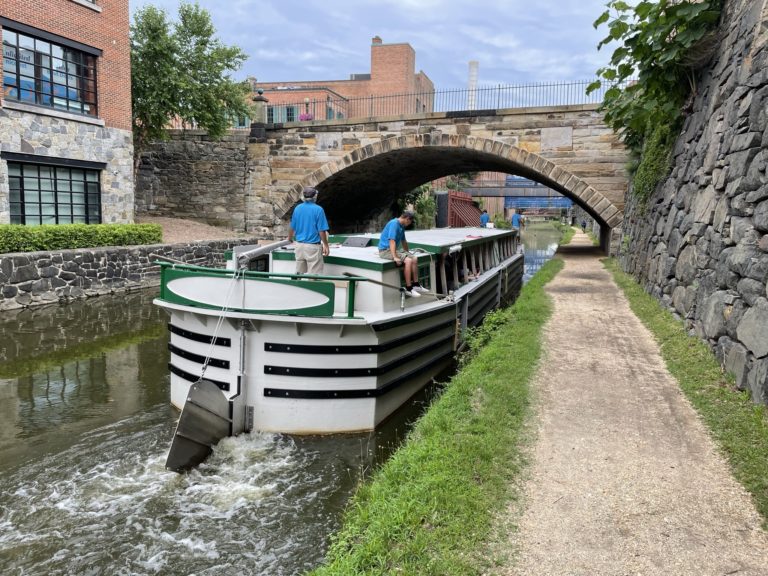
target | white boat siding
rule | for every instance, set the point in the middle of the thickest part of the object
(328, 356)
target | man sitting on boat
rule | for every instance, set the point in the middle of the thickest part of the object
(309, 228)
(394, 246)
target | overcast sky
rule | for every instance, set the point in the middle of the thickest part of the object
(514, 41)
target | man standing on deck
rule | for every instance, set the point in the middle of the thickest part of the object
(515, 220)
(484, 218)
(309, 229)
(394, 246)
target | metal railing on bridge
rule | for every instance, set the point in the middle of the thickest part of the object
(475, 99)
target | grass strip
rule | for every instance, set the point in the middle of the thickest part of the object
(430, 509)
(739, 426)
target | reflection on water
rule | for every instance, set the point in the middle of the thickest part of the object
(540, 241)
(85, 426)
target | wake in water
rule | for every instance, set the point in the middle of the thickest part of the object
(262, 504)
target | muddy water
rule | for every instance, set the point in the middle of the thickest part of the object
(85, 427)
(540, 242)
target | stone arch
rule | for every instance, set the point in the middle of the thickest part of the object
(409, 160)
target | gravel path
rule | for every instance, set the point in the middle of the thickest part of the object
(624, 480)
(177, 230)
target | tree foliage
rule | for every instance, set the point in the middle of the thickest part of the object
(180, 70)
(663, 43)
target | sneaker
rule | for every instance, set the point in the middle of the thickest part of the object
(410, 293)
(420, 289)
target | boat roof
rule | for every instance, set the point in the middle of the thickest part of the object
(435, 240)
(362, 249)
(445, 237)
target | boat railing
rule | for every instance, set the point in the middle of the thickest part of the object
(349, 281)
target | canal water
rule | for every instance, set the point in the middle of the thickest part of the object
(85, 426)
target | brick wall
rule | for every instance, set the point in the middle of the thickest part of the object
(107, 29)
(392, 72)
(392, 69)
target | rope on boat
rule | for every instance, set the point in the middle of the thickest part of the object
(220, 321)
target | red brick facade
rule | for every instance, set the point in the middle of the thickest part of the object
(392, 73)
(106, 29)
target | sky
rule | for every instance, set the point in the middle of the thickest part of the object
(514, 41)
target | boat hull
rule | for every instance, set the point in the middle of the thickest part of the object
(339, 374)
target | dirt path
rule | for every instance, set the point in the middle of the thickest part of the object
(624, 480)
(179, 230)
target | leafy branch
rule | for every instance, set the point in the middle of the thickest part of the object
(180, 70)
(663, 43)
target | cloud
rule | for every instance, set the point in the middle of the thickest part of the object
(515, 41)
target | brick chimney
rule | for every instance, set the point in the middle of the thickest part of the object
(376, 40)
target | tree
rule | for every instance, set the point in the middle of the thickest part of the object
(180, 70)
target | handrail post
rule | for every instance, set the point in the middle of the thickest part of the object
(351, 299)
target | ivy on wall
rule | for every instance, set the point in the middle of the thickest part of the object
(663, 44)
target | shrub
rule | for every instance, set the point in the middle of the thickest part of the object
(20, 238)
(655, 162)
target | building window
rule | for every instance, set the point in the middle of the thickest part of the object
(39, 71)
(42, 194)
(241, 122)
(276, 114)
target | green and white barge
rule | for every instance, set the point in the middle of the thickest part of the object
(335, 353)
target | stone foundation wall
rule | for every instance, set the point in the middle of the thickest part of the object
(700, 244)
(190, 176)
(33, 278)
(50, 136)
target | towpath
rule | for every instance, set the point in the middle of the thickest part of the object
(624, 479)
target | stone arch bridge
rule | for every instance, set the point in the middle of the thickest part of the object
(361, 167)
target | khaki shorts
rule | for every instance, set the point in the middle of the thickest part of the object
(309, 258)
(387, 254)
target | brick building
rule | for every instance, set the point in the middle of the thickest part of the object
(66, 151)
(392, 87)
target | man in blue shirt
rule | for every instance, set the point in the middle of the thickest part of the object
(516, 220)
(394, 246)
(484, 218)
(309, 229)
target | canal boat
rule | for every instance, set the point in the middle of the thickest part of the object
(257, 347)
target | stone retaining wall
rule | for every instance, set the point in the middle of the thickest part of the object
(33, 278)
(700, 244)
(191, 176)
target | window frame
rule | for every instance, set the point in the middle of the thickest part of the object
(44, 190)
(49, 58)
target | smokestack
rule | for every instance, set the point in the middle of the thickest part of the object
(472, 93)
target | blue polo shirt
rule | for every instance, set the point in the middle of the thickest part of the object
(308, 221)
(392, 231)
(516, 220)
(484, 218)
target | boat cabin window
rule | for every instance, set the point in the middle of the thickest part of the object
(260, 264)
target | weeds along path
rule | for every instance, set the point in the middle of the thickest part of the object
(624, 479)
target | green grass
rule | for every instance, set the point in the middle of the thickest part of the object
(738, 425)
(567, 233)
(431, 508)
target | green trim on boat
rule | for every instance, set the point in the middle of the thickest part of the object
(327, 289)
